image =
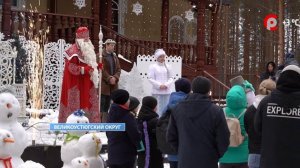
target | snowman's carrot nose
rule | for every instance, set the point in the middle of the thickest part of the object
(8, 105)
(98, 141)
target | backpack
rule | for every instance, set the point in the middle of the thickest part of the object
(161, 134)
(233, 123)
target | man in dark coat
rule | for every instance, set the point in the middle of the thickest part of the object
(198, 129)
(277, 120)
(110, 76)
(122, 146)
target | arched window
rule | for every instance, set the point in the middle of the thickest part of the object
(119, 8)
(115, 15)
(190, 32)
(176, 29)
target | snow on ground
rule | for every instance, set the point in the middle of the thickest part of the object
(104, 156)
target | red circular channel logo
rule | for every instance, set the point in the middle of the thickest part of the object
(270, 22)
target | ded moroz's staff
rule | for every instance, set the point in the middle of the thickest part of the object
(100, 61)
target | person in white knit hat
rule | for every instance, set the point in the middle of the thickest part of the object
(161, 78)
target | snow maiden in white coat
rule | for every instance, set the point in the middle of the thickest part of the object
(10, 110)
(70, 149)
(161, 78)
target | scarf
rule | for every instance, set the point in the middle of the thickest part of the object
(6, 162)
(71, 137)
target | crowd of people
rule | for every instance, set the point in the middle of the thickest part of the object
(198, 130)
(255, 131)
(199, 133)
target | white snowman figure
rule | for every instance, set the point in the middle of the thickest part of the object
(80, 162)
(10, 110)
(90, 146)
(69, 149)
(6, 146)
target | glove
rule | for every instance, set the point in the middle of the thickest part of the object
(100, 66)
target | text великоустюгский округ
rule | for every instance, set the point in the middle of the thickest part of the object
(87, 127)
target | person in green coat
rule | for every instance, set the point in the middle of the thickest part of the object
(236, 157)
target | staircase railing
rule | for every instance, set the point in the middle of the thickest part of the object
(128, 48)
(218, 88)
(131, 48)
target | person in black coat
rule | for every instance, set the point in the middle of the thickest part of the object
(254, 145)
(198, 129)
(277, 121)
(270, 71)
(147, 120)
(122, 146)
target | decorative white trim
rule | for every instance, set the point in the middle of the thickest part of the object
(189, 15)
(137, 8)
(53, 73)
(80, 3)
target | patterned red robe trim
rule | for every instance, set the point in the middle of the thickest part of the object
(78, 91)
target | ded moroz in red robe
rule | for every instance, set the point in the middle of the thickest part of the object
(78, 91)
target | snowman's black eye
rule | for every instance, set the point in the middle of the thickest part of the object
(93, 138)
(79, 161)
(8, 135)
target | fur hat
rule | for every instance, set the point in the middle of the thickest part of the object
(266, 87)
(183, 85)
(120, 96)
(134, 103)
(159, 52)
(149, 101)
(289, 79)
(201, 85)
(292, 68)
(109, 41)
(82, 33)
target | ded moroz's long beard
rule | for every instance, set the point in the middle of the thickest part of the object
(89, 56)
